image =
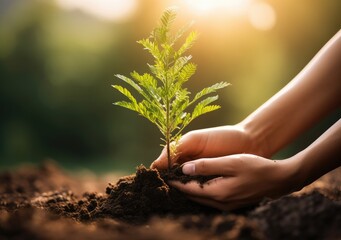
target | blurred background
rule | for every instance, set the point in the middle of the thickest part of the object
(58, 60)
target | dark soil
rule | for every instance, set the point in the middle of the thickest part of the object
(46, 203)
(138, 197)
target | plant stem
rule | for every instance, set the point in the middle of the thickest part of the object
(168, 135)
(168, 156)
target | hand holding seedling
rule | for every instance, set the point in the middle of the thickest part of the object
(247, 178)
(211, 142)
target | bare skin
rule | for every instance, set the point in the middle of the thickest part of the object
(240, 153)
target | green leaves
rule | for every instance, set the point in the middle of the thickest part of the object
(192, 37)
(161, 97)
(209, 90)
(160, 33)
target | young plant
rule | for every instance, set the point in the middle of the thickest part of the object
(164, 100)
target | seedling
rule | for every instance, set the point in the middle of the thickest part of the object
(164, 100)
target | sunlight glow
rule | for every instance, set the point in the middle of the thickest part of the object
(112, 10)
(262, 16)
(229, 6)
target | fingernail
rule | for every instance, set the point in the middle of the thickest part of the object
(188, 168)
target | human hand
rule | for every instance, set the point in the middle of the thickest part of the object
(212, 142)
(245, 179)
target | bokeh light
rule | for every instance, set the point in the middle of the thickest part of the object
(234, 7)
(262, 16)
(114, 10)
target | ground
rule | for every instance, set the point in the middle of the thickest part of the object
(46, 202)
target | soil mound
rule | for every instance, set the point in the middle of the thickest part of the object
(46, 203)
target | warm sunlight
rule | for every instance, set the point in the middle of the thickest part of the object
(262, 16)
(229, 6)
(112, 10)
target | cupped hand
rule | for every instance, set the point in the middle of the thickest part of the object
(245, 179)
(211, 142)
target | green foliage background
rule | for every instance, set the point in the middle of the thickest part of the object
(57, 66)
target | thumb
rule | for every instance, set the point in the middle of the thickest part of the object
(184, 149)
(208, 166)
(161, 162)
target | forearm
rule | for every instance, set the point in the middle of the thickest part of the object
(320, 157)
(311, 95)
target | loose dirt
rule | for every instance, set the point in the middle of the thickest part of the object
(45, 202)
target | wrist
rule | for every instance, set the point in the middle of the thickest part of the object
(257, 142)
(296, 177)
(286, 176)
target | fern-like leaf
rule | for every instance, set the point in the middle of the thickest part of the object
(125, 92)
(128, 105)
(160, 34)
(151, 47)
(187, 72)
(192, 37)
(209, 90)
(200, 110)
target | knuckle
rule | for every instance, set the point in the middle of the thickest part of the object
(201, 167)
(192, 136)
(188, 137)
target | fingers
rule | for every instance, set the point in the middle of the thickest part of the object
(211, 194)
(207, 195)
(222, 166)
(161, 162)
(186, 148)
(210, 190)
